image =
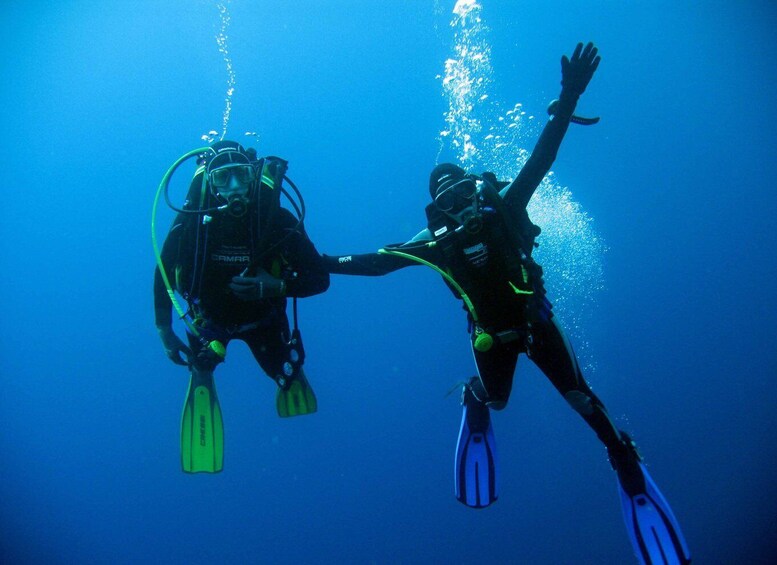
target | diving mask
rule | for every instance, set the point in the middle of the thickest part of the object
(457, 194)
(460, 202)
(232, 183)
(242, 173)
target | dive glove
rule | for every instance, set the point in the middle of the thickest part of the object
(576, 72)
(263, 285)
(173, 345)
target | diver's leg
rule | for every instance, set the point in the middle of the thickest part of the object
(269, 346)
(476, 473)
(496, 368)
(553, 354)
(204, 358)
(653, 530)
(275, 350)
(202, 426)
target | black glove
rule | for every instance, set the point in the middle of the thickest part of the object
(576, 72)
(173, 346)
(263, 285)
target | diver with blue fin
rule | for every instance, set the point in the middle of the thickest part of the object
(234, 255)
(476, 470)
(480, 239)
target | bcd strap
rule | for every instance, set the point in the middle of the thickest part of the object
(273, 169)
(270, 171)
(447, 239)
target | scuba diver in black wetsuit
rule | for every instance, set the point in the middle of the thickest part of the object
(480, 239)
(234, 255)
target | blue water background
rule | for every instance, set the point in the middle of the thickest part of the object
(100, 97)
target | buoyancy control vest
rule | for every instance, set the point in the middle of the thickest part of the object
(262, 217)
(497, 244)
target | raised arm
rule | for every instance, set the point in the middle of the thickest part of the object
(576, 73)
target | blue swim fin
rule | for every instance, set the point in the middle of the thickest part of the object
(653, 530)
(476, 477)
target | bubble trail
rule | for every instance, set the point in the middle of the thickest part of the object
(222, 42)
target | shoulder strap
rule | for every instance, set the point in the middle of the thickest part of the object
(269, 185)
(523, 241)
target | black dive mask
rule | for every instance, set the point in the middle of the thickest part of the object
(459, 200)
(455, 195)
(232, 185)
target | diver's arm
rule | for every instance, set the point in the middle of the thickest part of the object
(366, 264)
(310, 276)
(175, 349)
(163, 308)
(162, 305)
(380, 263)
(518, 193)
(303, 273)
(576, 73)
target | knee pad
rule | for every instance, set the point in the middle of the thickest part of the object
(580, 402)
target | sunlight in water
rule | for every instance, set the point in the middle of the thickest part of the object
(483, 137)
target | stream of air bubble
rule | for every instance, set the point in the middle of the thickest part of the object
(222, 38)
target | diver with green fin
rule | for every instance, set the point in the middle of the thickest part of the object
(480, 239)
(234, 255)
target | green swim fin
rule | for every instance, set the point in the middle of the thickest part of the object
(297, 399)
(202, 429)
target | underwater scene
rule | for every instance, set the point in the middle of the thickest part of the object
(349, 137)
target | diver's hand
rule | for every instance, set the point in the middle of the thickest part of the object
(174, 346)
(576, 72)
(263, 285)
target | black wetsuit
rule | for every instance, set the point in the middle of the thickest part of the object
(201, 259)
(485, 264)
